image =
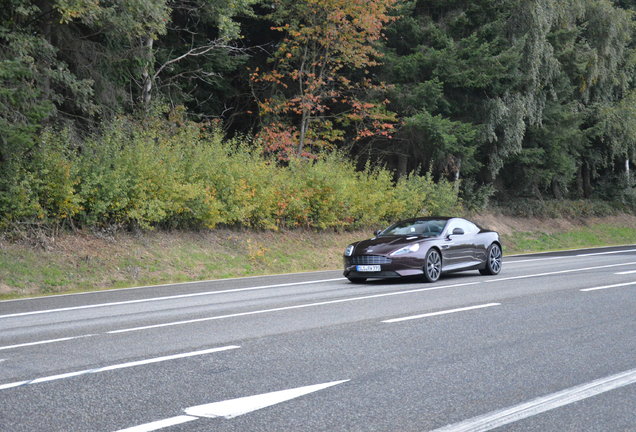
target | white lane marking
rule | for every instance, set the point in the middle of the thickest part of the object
(539, 405)
(533, 260)
(560, 272)
(179, 296)
(626, 272)
(117, 366)
(232, 407)
(3, 360)
(608, 286)
(236, 407)
(160, 424)
(176, 284)
(444, 312)
(44, 342)
(285, 308)
(606, 253)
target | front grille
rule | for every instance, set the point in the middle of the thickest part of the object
(369, 259)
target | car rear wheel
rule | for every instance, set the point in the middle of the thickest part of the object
(493, 260)
(357, 280)
(432, 265)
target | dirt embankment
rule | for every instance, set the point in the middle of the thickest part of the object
(507, 225)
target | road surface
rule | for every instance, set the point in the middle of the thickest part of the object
(548, 345)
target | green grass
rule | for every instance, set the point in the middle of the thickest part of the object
(591, 236)
(81, 261)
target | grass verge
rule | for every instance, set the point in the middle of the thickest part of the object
(81, 261)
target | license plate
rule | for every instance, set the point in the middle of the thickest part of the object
(368, 268)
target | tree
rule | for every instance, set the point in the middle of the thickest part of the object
(319, 82)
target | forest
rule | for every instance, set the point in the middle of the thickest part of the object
(310, 113)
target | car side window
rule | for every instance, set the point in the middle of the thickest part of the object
(468, 227)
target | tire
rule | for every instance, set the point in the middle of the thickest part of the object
(493, 261)
(432, 265)
(357, 280)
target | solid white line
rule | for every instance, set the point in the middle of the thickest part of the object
(569, 250)
(606, 253)
(445, 312)
(44, 342)
(608, 286)
(626, 272)
(174, 284)
(179, 296)
(539, 405)
(160, 424)
(559, 272)
(307, 305)
(534, 259)
(117, 366)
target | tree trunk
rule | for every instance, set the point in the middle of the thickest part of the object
(146, 92)
(402, 167)
(587, 180)
(304, 126)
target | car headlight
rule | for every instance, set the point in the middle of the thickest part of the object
(349, 250)
(407, 249)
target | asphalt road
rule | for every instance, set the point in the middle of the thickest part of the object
(548, 345)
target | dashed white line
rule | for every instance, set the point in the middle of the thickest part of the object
(626, 272)
(44, 342)
(117, 366)
(154, 299)
(285, 308)
(539, 405)
(444, 312)
(608, 286)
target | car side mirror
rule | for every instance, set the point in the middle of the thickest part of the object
(458, 231)
(377, 232)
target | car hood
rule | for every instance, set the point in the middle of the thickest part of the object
(386, 245)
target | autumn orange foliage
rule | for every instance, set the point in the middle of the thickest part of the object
(319, 71)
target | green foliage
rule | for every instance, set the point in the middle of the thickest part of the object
(174, 173)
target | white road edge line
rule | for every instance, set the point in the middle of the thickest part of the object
(117, 366)
(45, 342)
(285, 308)
(160, 424)
(606, 253)
(560, 272)
(608, 286)
(174, 284)
(444, 312)
(542, 404)
(153, 299)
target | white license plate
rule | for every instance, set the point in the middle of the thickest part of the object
(368, 268)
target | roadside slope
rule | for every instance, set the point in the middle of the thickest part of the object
(86, 261)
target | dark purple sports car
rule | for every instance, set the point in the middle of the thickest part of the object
(426, 246)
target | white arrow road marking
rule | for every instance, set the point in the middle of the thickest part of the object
(232, 407)
(236, 407)
(160, 424)
(539, 405)
(117, 366)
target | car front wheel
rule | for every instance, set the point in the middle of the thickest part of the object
(493, 260)
(432, 265)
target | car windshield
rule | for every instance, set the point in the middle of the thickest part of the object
(424, 227)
